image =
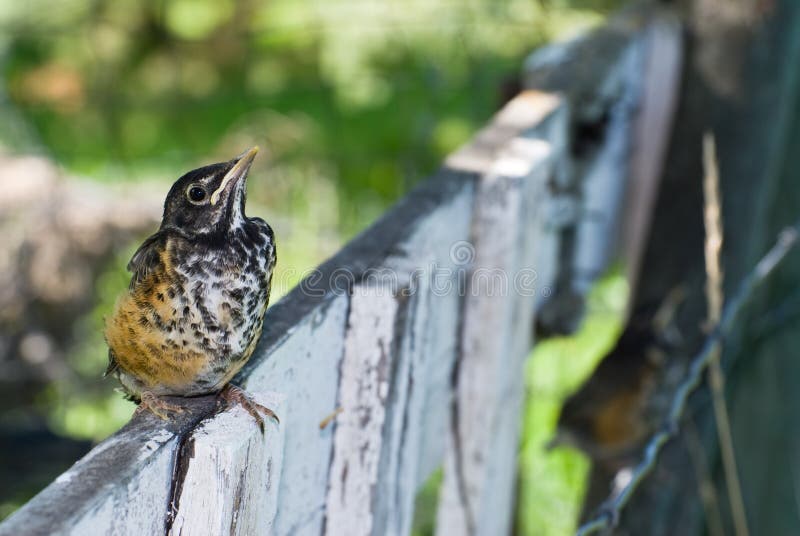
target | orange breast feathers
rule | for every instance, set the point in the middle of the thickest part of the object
(145, 334)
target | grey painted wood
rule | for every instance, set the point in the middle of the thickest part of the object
(304, 368)
(477, 493)
(121, 487)
(424, 349)
(598, 76)
(229, 482)
(363, 396)
(403, 454)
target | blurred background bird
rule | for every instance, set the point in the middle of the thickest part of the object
(624, 401)
(619, 406)
(194, 309)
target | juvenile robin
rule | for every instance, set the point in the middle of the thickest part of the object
(194, 309)
(608, 418)
(619, 407)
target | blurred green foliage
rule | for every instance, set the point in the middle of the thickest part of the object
(354, 102)
(82, 405)
(368, 95)
(552, 483)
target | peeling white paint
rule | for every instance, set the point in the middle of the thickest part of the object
(496, 337)
(65, 478)
(152, 444)
(363, 393)
(305, 369)
(231, 482)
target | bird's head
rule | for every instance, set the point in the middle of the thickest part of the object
(209, 200)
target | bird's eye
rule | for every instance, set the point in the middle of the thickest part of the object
(196, 194)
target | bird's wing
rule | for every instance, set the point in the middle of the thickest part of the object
(112, 363)
(146, 258)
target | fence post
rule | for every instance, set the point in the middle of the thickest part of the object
(479, 470)
(228, 469)
(369, 355)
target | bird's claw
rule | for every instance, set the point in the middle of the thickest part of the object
(232, 394)
(157, 406)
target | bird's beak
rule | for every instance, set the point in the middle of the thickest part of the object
(237, 173)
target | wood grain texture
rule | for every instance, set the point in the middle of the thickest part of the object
(304, 368)
(121, 487)
(477, 492)
(229, 483)
(414, 297)
(363, 395)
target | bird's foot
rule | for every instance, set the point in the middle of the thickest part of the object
(157, 406)
(231, 394)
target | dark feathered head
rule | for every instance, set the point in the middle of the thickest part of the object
(209, 200)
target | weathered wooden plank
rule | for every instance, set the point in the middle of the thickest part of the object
(415, 408)
(121, 487)
(403, 433)
(437, 343)
(230, 473)
(363, 394)
(476, 496)
(304, 368)
(535, 255)
(426, 342)
(430, 338)
(619, 177)
(603, 182)
(597, 75)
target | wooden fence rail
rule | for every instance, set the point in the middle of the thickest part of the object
(415, 334)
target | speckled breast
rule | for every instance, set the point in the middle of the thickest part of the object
(193, 322)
